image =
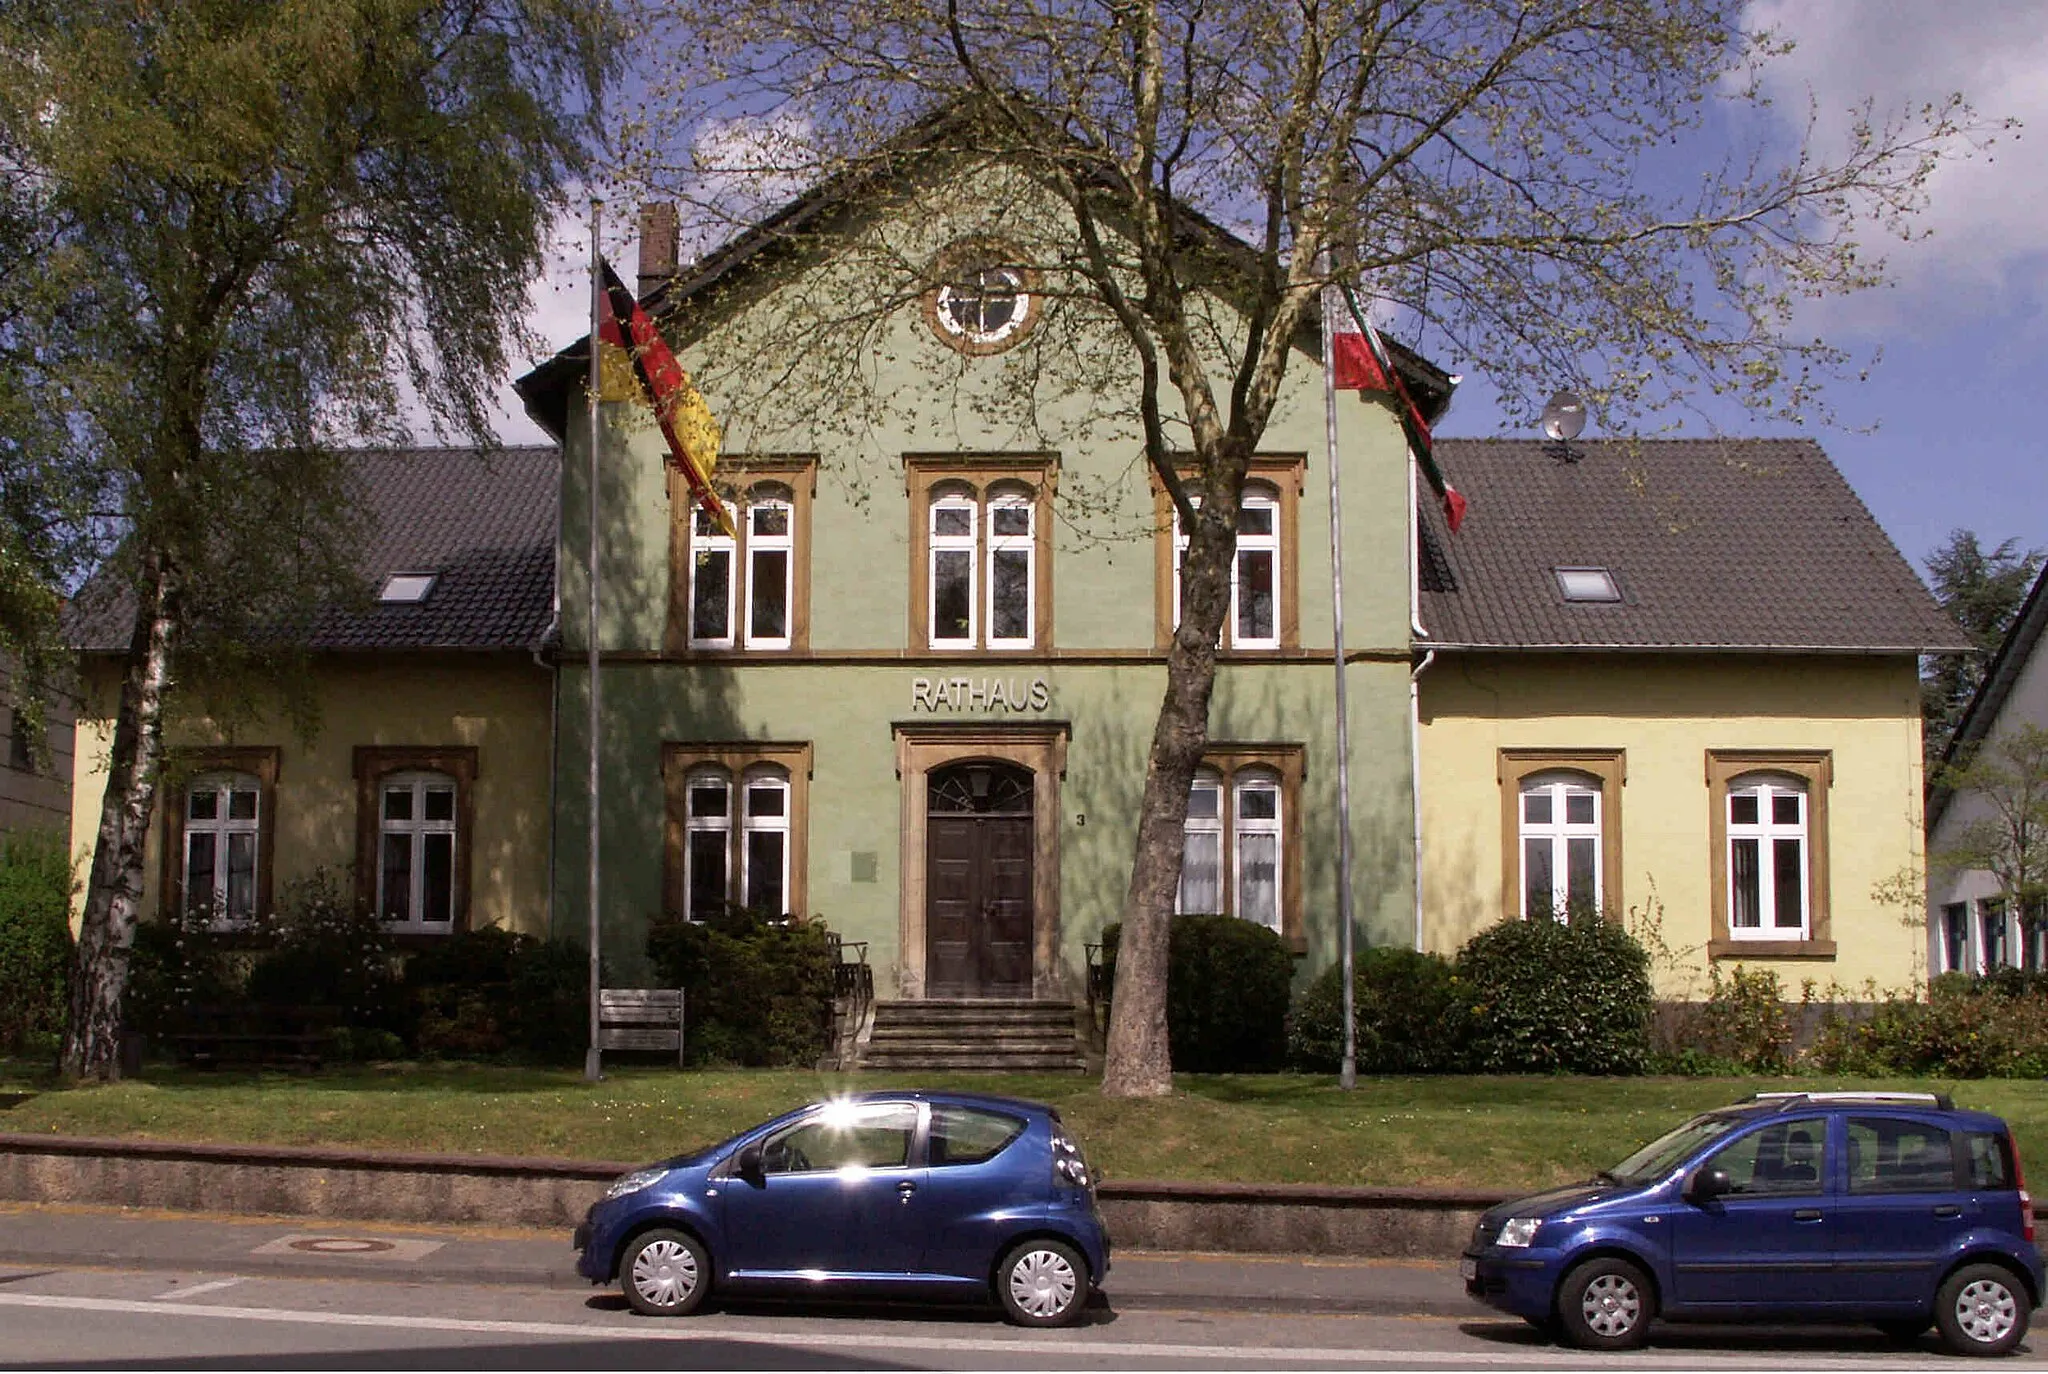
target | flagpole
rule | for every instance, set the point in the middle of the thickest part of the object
(1347, 1073)
(593, 1059)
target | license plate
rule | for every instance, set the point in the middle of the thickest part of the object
(1468, 1270)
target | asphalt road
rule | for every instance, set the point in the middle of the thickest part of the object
(260, 1313)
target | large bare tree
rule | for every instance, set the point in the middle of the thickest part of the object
(1543, 190)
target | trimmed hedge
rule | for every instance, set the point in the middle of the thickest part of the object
(1406, 1013)
(757, 991)
(1227, 988)
(489, 991)
(35, 937)
(1548, 996)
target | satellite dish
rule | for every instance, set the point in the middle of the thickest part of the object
(1564, 415)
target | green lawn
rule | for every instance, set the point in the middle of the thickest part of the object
(1482, 1132)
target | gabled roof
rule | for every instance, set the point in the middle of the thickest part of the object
(2000, 676)
(482, 523)
(1714, 544)
(546, 389)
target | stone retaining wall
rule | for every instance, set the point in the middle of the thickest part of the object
(1405, 1223)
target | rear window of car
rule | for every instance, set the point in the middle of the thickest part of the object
(1988, 1157)
(1893, 1155)
(968, 1135)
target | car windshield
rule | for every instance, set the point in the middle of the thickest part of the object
(1667, 1151)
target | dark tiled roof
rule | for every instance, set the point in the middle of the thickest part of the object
(484, 523)
(1715, 544)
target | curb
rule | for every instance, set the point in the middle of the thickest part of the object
(345, 1184)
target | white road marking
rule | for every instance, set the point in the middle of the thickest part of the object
(1069, 1348)
(195, 1290)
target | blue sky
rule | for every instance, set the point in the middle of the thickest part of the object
(1951, 429)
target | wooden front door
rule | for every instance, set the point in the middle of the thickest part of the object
(978, 847)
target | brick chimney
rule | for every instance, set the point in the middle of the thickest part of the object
(658, 245)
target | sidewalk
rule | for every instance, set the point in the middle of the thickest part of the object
(71, 1237)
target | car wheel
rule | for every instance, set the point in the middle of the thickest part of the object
(665, 1273)
(1042, 1283)
(1904, 1330)
(1982, 1310)
(1606, 1304)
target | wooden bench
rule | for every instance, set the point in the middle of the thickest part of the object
(255, 1033)
(641, 1019)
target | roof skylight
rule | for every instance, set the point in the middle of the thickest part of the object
(1587, 584)
(407, 588)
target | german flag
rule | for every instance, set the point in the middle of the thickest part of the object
(686, 421)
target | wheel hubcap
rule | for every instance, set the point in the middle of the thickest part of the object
(1043, 1283)
(1986, 1311)
(665, 1273)
(1611, 1305)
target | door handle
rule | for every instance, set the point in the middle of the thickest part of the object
(1948, 1209)
(905, 1189)
(1807, 1214)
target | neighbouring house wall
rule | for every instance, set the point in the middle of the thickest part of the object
(1666, 713)
(35, 794)
(497, 704)
(2025, 704)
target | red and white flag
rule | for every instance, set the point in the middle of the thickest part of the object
(1359, 361)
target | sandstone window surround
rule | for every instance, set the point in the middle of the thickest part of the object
(1241, 852)
(220, 832)
(736, 826)
(1768, 847)
(750, 596)
(1552, 775)
(415, 825)
(1265, 611)
(981, 551)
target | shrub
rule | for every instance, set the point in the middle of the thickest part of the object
(1741, 1027)
(1963, 1028)
(180, 959)
(488, 991)
(1556, 996)
(757, 991)
(1406, 1014)
(321, 949)
(1227, 987)
(35, 936)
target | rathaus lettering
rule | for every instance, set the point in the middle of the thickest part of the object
(980, 694)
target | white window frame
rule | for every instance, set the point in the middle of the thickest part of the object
(968, 543)
(221, 827)
(694, 824)
(776, 777)
(1210, 779)
(714, 540)
(1257, 495)
(1767, 832)
(1258, 778)
(987, 281)
(1953, 914)
(1990, 911)
(784, 543)
(1559, 832)
(1007, 499)
(418, 782)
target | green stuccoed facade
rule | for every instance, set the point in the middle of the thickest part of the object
(862, 718)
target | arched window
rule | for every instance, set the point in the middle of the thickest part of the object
(954, 517)
(223, 822)
(1257, 803)
(1201, 864)
(1768, 883)
(712, 583)
(1560, 835)
(764, 882)
(707, 840)
(416, 839)
(1254, 621)
(1012, 545)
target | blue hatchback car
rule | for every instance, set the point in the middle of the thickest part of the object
(1891, 1208)
(904, 1194)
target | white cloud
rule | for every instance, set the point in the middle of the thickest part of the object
(558, 302)
(1985, 249)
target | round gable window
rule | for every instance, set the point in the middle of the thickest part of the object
(982, 305)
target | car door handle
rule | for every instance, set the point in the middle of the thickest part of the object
(905, 1189)
(1807, 1214)
(1948, 1209)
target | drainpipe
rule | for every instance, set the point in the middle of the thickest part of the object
(1415, 782)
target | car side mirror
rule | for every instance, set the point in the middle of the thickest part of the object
(1709, 1184)
(748, 1164)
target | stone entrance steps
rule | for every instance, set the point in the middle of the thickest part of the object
(974, 1035)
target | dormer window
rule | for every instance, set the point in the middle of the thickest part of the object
(407, 588)
(1587, 584)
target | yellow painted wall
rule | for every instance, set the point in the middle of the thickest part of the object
(1667, 712)
(497, 703)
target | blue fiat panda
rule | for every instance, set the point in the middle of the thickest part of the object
(1890, 1208)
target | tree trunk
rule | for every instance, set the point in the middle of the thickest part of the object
(113, 894)
(1138, 1061)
